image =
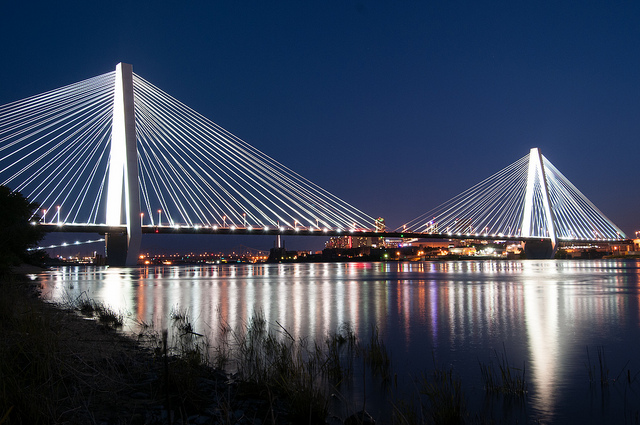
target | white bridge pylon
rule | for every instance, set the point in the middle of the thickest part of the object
(123, 164)
(528, 199)
(537, 185)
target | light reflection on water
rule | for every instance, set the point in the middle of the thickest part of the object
(544, 314)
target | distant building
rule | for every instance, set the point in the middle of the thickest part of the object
(463, 250)
(348, 242)
(392, 242)
(625, 248)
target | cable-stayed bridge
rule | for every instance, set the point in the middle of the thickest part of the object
(116, 155)
(529, 200)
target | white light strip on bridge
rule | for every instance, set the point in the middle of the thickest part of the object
(222, 179)
(65, 244)
(52, 148)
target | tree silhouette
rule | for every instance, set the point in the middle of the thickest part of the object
(17, 234)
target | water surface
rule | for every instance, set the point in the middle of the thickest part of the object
(548, 316)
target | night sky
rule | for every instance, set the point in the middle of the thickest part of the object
(393, 106)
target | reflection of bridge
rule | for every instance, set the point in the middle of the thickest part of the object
(134, 160)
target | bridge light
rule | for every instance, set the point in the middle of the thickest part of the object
(214, 227)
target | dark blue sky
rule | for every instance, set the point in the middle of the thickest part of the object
(392, 106)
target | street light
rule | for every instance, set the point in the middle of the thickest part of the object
(159, 217)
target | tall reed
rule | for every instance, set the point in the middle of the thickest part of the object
(503, 378)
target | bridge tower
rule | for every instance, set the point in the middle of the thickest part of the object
(123, 182)
(537, 183)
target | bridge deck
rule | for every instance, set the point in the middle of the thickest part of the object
(300, 231)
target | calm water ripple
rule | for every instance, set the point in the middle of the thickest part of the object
(542, 314)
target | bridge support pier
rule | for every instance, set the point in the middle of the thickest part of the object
(543, 249)
(116, 249)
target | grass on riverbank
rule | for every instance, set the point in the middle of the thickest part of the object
(56, 367)
(104, 313)
(503, 378)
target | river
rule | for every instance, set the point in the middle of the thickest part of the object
(550, 318)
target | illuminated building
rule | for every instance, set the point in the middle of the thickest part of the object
(348, 242)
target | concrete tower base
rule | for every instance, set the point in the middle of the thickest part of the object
(116, 249)
(539, 250)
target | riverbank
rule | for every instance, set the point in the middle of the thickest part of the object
(58, 367)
